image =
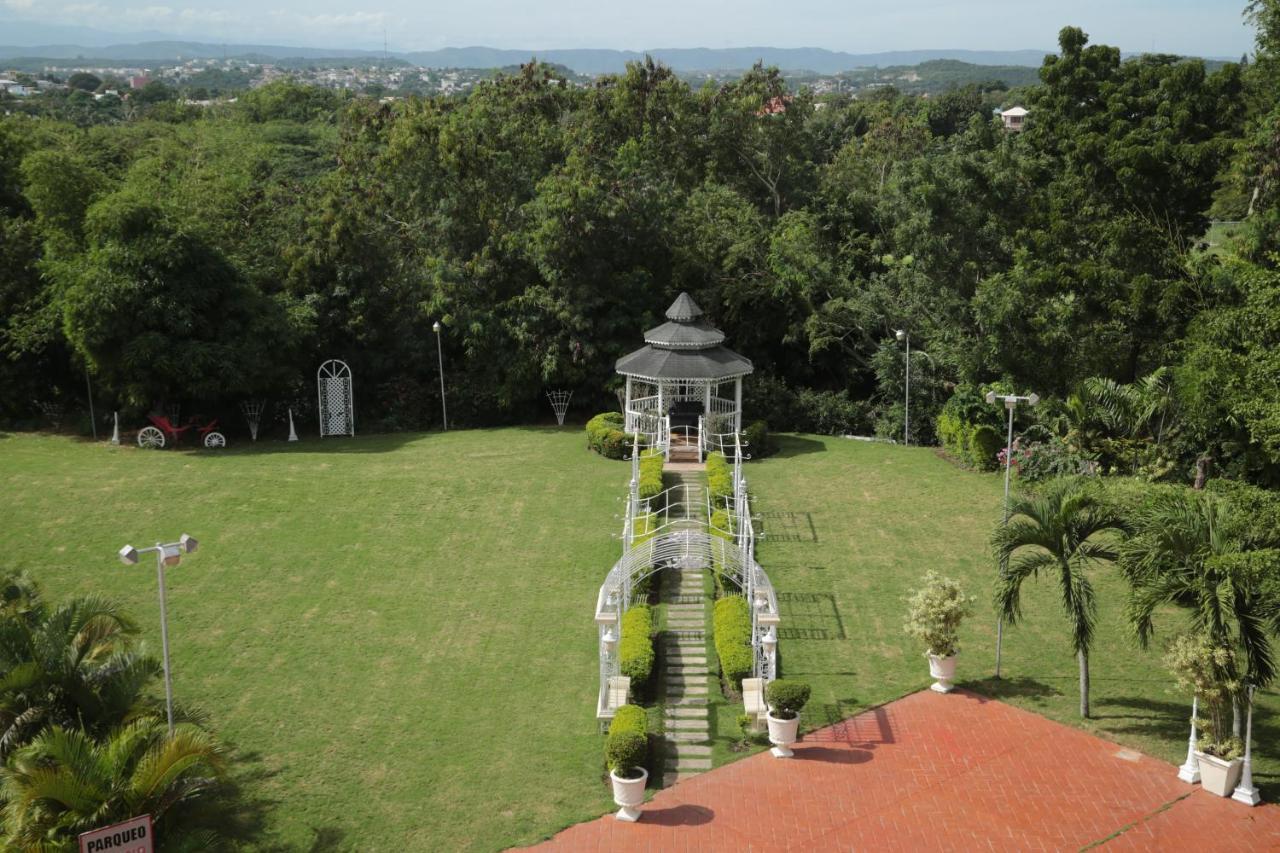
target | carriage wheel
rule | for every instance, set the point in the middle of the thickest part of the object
(215, 439)
(150, 437)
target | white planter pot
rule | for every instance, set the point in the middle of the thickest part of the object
(782, 733)
(629, 794)
(1218, 776)
(944, 670)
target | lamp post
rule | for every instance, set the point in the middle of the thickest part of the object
(1011, 402)
(166, 555)
(444, 412)
(905, 336)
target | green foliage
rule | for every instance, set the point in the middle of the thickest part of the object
(934, 612)
(650, 485)
(786, 697)
(635, 649)
(626, 752)
(629, 718)
(719, 478)
(605, 436)
(731, 630)
(759, 442)
(1208, 670)
(984, 443)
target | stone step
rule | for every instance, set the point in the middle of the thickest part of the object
(687, 690)
(690, 672)
(688, 737)
(687, 712)
(688, 701)
(686, 749)
(672, 778)
(681, 607)
(683, 764)
(692, 725)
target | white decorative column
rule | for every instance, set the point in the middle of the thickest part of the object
(1189, 772)
(737, 404)
(627, 424)
(1245, 792)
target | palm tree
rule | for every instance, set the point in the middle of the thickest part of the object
(1056, 531)
(1191, 549)
(73, 665)
(64, 782)
(1132, 408)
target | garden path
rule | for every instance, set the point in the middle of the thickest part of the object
(933, 772)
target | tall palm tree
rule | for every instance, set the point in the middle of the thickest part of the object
(1191, 549)
(75, 664)
(1056, 530)
(64, 782)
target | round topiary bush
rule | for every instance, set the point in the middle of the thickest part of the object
(625, 752)
(786, 698)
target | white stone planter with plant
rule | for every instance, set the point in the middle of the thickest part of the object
(625, 753)
(1208, 671)
(785, 699)
(934, 613)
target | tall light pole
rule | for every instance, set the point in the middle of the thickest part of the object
(906, 418)
(1011, 402)
(444, 412)
(166, 555)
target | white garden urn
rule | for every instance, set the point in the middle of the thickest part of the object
(1216, 775)
(629, 794)
(944, 670)
(782, 733)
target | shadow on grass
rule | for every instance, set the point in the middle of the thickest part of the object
(794, 445)
(810, 616)
(1012, 688)
(782, 526)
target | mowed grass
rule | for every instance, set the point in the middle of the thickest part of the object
(850, 529)
(394, 632)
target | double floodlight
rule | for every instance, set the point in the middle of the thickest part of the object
(1012, 400)
(171, 553)
(900, 335)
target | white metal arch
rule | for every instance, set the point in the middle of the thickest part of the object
(337, 404)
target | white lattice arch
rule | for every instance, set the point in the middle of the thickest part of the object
(337, 406)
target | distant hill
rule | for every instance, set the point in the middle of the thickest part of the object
(582, 61)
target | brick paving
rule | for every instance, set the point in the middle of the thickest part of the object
(933, 772)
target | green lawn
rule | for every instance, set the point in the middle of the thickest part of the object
(852, 526)
(395, 632)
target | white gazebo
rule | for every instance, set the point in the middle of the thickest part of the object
(683, 386)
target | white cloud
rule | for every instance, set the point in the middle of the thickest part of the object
(19, 5)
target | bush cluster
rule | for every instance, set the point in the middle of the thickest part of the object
(719, 527)
(650, 484)
(934, 613)
(731, 629)
(605, 435)
(975, 445)
(629, 718)
(626, 752)
(635, 650)
(719, 478)
(759, 442)
(806, 409)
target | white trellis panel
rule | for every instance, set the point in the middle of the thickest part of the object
(337, 406)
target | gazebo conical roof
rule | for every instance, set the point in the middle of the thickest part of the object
(684, 348)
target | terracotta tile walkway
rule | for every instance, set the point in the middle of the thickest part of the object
(933, 772)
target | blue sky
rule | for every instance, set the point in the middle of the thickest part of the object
(1203, 27)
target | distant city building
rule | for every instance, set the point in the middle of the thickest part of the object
(139, 81)
(1014, 118)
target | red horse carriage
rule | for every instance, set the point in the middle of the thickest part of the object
(163, 430)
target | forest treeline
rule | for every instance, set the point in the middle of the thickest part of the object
(211, 255)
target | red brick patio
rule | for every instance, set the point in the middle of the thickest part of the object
(957, 772)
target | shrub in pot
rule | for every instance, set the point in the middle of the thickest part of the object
(934, 613)
(625, 752)
(785, 699)
(1208, 670)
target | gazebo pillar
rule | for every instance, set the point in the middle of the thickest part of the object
(627, 426)
(737, 404)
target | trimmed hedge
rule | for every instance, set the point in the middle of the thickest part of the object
(605, 435)
(650, 484)
(635, 651)
(759, 443)
(626, 751)
(731, 629)
(786, 698)
(976, 445)
(629, 718)
(719, 478)
(719, 527)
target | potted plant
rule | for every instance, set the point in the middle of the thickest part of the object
(785, 699)
(625, 752)
(934, 613)
(1208, 670)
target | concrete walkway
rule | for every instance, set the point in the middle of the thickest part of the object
(933, 772)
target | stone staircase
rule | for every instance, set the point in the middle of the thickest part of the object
(686, 676)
